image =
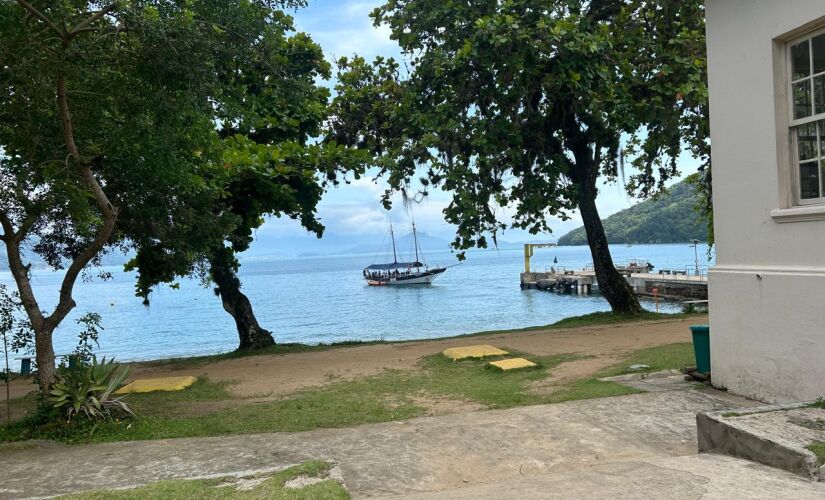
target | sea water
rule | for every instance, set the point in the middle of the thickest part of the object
(325, 299)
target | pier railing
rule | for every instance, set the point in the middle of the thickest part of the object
(688, 272)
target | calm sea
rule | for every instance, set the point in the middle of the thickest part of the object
(324, 299)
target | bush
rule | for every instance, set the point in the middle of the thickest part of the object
(88, 389)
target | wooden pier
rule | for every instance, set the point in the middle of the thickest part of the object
(644, 283)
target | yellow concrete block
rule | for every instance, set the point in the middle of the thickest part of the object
(473, 351)
(157, 384)
(512, 364)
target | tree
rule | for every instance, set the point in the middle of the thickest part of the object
(523, 105)
(269, 112)
(106, 116)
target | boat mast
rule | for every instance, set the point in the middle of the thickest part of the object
(415, 240)
(392, 236)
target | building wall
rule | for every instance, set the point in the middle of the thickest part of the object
(767, 290)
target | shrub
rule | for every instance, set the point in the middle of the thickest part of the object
(88, 389)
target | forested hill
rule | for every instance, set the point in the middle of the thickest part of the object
(670, 218)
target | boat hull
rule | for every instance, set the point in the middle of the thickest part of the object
(424, 278)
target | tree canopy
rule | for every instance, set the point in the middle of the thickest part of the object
(517, 107)
(269, 111)
(108, 115)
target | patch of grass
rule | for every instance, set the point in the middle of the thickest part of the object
(819, 403)
(474, 380)
(590, 389)
(207, 409)
(272, 487)
(819, 451)
(665, 357)
(171, 403)
(608, 318)
(592, 319)
(731, 414)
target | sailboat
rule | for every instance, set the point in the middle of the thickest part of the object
(402, 273)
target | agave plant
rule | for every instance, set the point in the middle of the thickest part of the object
(89, 389)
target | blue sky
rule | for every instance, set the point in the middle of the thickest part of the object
(353, 212)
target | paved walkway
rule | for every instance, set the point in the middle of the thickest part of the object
(642, 445)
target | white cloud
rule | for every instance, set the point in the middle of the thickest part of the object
(344, 30)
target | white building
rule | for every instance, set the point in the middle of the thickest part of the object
(767, 291)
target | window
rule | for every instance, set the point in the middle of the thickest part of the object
(807, 81)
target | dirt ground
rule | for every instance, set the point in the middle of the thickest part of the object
(277, 375)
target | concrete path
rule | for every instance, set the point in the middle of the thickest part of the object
(642, 445)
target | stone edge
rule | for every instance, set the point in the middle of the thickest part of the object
(719, 434)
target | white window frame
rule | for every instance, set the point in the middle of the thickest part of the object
(794, 124)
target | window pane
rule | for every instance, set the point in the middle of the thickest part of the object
(802, 99)
(819, 94)
(806, 141)
(801, 60)
(822, 139)
(822, 175)
(819, 53)
(809, 180)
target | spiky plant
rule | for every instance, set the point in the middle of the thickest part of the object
(89, 390)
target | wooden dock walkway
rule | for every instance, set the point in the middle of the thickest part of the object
(679, 285)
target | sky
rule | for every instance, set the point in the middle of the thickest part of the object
(353, 213)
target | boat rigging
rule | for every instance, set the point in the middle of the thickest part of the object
(402, 273)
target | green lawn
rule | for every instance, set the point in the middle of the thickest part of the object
(666, 357)
(392, 395)
(208, 409)
(271, 488)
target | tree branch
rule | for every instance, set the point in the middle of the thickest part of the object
(84, 25)
(66, 118)
(36, 13)
(8, 229)
(66, 302)
(109, 212)
(20, 272)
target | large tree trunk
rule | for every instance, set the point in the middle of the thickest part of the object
(250, 333)
(614, 287)
(44, 355)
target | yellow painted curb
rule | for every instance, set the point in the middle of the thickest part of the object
(512, 364)
(473, 351)
(157, 384)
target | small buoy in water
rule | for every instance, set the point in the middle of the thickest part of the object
(639, 367)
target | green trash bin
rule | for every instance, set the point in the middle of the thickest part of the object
(701, 347)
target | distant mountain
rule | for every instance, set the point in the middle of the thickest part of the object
(668, 218)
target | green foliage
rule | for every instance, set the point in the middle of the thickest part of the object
(669, 217)
(271, 488)
(263, 162)
(90, 334)
(88, 389)
(518, 107)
